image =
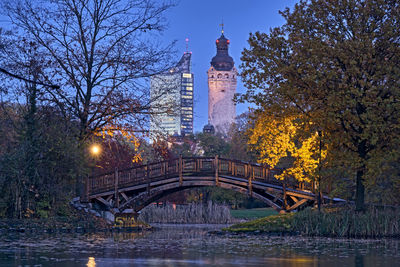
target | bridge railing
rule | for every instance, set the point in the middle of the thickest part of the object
(259, 172)
(243, 169)
(198, 166)
(188, 166)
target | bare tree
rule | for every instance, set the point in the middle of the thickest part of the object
(100, 53)
(35, 137)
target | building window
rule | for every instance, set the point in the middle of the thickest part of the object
(219, 76)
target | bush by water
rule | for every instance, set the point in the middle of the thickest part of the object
(334, 222)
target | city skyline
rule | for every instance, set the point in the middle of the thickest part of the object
(199, 21)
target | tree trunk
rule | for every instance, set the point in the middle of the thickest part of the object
(31, 146)
(362, 153)
(360, 190)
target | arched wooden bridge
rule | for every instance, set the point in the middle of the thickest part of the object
(136, 187)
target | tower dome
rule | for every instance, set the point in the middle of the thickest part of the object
(222, 61)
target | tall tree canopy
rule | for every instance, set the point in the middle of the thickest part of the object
(335, 64)
(98, 52)
(71, 69)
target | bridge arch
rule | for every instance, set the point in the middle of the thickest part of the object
(144, 200)
(135, 188)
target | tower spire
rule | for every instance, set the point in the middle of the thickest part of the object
(222, 26)
(187, 45)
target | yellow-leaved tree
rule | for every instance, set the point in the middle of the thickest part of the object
(278, 139)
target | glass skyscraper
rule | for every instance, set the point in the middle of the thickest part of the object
(172, 99)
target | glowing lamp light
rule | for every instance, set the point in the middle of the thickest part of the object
(95, 149)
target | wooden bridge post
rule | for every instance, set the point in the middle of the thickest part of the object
(148, 178)
(265, 172)
(251, 177)
(216, 171)
(116, 187)
(180, 166)
(165, 169)
(284, 194)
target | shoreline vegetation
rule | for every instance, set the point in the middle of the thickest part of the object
(192, 213)
(336, 222)
(331, 221)
(201, 213)
(75, 222)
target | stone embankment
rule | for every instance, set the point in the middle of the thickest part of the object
(108, 216)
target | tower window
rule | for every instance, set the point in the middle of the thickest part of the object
(222, 90)
(227, 75)
(219, 76)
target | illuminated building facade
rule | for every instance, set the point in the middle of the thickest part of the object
(222, 82)
(172, 99)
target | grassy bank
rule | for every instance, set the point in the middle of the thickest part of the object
(338, 222)
(251, 214)
(280, 223)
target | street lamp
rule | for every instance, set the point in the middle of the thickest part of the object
(95, 150)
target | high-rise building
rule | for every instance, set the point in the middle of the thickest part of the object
(172, 99)
(222, 83)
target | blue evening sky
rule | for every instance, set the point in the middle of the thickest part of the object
(199, 21)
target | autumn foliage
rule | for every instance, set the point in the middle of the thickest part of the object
(333, 67)
(279, 139)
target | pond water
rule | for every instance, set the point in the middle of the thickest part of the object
(192, 245)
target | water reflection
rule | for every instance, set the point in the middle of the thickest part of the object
(192, 245)
(91, 262)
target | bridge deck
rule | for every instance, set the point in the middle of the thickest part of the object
(161, 177)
